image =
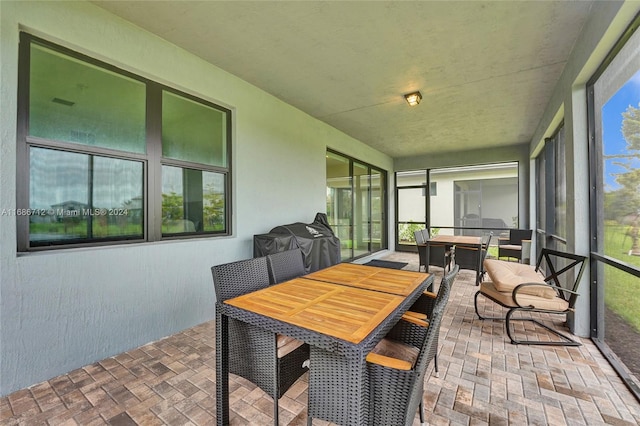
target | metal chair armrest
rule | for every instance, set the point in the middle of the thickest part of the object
(515, 291)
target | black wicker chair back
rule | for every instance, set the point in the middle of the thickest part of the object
(285, 265)
(467, 257)
(253, 352)
(396, 394)
(439, 254)
(512, 247)
(443, 294)
(241, 277)
(422, 249)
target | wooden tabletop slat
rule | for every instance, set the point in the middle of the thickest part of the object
(457, 239)
(348, 313)
(396, 281)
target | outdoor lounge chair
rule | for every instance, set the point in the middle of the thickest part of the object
(272, 361)
(523, 288)
(285, 265)
(398, 364)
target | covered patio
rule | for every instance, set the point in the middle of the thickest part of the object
(483, 379)
(143, 143)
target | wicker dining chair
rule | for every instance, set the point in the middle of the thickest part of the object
(467, 257)
(285, 265)
(517, 245)
(422, 249)
(422, 308)
(272, 361)
(431, 253)
(398, 364)
(439, 254)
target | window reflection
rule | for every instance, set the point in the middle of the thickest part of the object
(193, 131)
(83, 197)
(74, 101)
(192, 201)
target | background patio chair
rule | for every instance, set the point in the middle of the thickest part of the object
(467, 257)
(439, 254)
(517, 245)
(272, 361)
(285, 265)
(521, 288)
(422, 249)
(436, 254)
(430, 253)
(398, 364)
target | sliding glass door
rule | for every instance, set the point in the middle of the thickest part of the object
(356, 205)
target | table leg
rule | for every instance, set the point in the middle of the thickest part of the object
(222, 369)
(479, 266)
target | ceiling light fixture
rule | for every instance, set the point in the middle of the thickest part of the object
(413, 98)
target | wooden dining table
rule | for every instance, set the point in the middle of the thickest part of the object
(458, 239)
(342, 312)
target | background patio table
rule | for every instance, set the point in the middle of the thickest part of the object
(342, 323)
(463, 240)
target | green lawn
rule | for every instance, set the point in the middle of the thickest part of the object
(622, 290)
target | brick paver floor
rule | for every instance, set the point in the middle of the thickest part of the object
(482, 380)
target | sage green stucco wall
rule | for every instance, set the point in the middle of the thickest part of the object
(63, 309)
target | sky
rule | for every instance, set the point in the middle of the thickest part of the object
(613, 140)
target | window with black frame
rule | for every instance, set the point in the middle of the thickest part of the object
(108, 156)
(614, 108)
(476, 200)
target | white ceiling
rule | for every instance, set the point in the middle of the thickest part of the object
(486, 69)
